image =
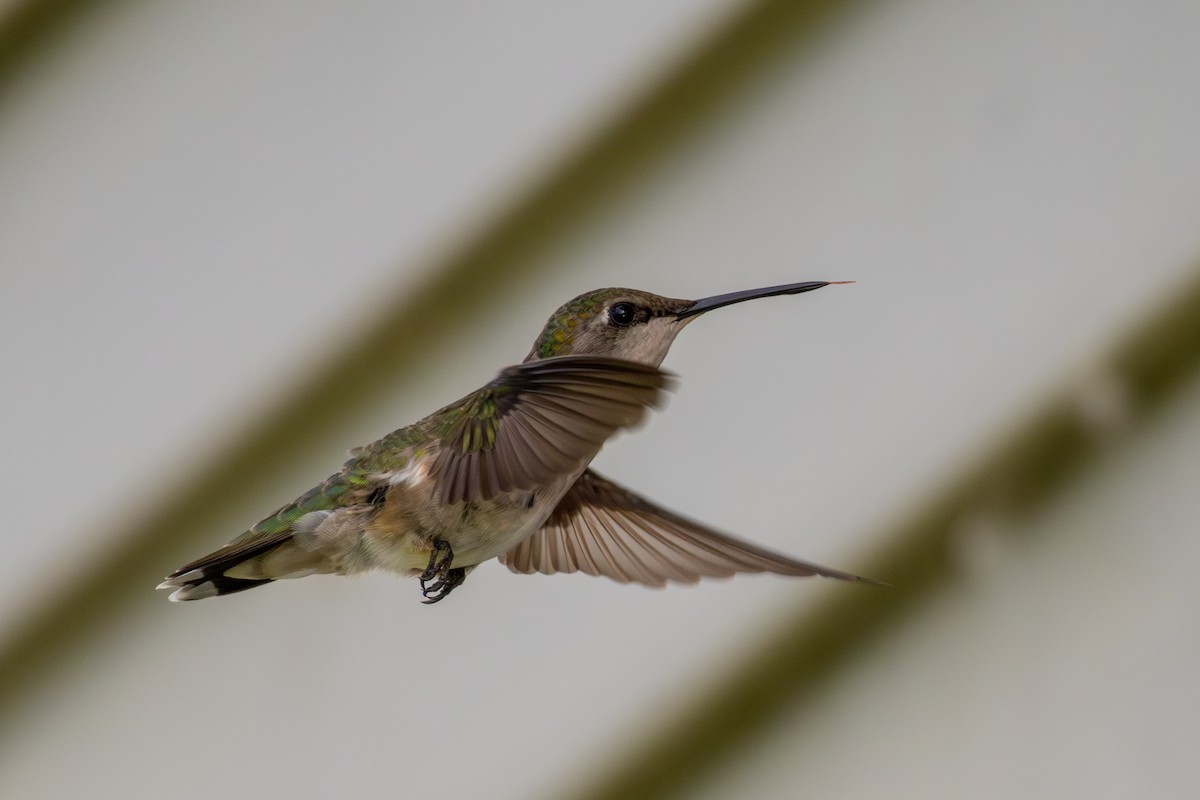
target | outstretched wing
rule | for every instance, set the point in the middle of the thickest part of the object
(537, 422)
(601, 528)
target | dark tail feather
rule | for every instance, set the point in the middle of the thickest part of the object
(205, 577)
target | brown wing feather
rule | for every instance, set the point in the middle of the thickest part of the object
(539, 421)
(600, 528)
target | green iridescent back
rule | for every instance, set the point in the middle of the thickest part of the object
(352, 485)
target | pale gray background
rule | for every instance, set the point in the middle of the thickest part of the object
(198, 200)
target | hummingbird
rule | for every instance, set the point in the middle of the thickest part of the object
(504, 473)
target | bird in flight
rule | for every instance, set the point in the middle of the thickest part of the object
(503, 473)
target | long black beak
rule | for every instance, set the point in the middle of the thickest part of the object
(717, 301)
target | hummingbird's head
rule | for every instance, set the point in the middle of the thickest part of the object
(632, 325)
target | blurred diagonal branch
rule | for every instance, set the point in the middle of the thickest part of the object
(27, 25)
(1018, 475)
(611, 161)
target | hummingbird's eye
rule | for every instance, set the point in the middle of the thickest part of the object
(622, 314)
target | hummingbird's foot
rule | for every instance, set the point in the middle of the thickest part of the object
(450, 579)
(440, 559)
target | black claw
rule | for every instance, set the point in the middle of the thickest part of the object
(451, 579)
(447, 577)
(440, 558)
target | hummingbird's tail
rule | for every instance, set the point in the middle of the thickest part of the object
(207, 576)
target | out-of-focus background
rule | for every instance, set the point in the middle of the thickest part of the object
(238, 238)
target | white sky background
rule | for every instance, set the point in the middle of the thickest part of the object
(191, 200)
